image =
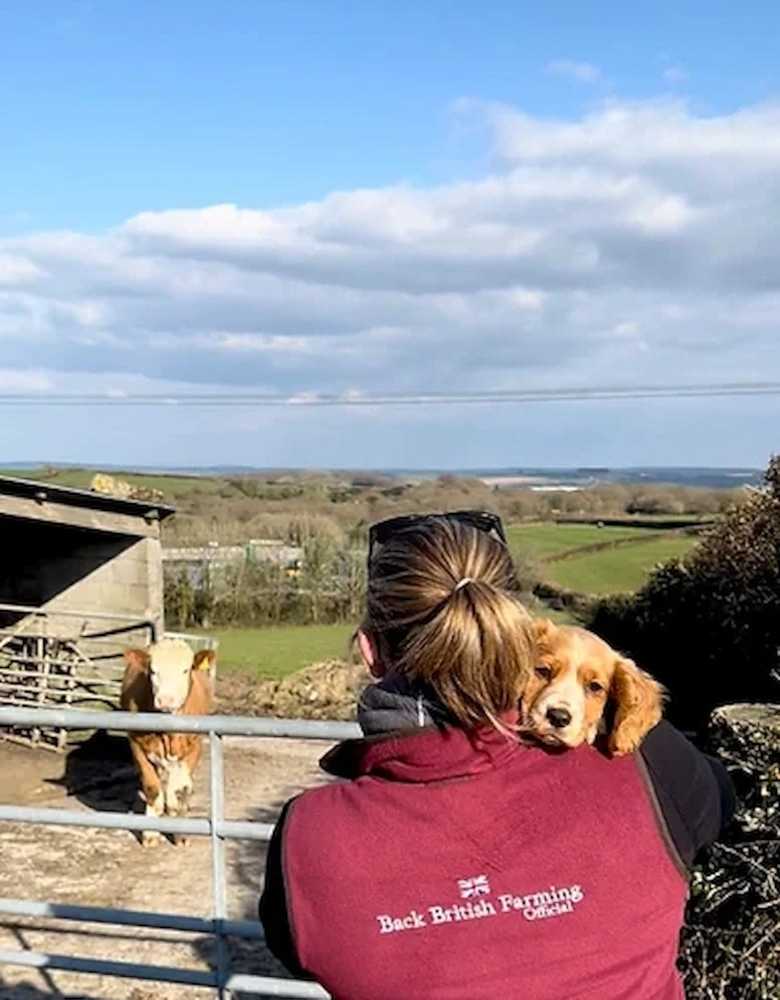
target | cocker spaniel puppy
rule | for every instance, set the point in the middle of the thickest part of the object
(582, 688)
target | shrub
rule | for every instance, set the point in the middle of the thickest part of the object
(708, 626)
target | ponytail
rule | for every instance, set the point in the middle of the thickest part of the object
(443, 609)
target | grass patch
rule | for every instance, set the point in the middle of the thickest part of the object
(276, 651)
(617, 570)
(539, 609)
(540, 541)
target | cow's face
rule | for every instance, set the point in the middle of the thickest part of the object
(170, 663)
(170, 666)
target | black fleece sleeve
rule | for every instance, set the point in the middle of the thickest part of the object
(693, 790)
(273, 909)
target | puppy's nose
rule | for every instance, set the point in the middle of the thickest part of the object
(558, 717)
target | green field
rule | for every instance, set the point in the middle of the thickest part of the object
(542, 540)
(617, 570)
(277, 651)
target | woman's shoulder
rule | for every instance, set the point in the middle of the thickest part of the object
(676, 764)
(693, 790)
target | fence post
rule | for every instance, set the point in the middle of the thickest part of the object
(219, 878)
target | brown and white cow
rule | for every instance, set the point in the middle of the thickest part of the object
(168, 678)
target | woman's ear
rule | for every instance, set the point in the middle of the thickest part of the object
(368, 651)
(638, 706)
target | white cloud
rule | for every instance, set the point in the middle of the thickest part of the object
(582, 72)
(17, 271)
(673, 74)
(17, 381)
(637, 243)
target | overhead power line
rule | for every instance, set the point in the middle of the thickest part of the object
(257, 399)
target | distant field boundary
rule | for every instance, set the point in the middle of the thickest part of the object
(662, 523)
(571, 601)
(617, 543)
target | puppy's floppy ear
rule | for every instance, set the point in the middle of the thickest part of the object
(638, 706)
(543, 630)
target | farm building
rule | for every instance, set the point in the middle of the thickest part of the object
(81, 580)
(203, 565)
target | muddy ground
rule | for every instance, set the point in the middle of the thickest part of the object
(327, 690)
(109, 868)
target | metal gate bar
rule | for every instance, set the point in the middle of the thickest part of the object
(216, 827)
(263, 985)
(156, 722)
(229, 829)
(249, 929)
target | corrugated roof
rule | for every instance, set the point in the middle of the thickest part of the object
(90, 499)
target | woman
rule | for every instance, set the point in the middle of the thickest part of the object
(457, 862)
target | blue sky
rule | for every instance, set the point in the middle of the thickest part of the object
(378, 196)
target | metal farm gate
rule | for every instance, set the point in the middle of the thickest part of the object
(75, 661)
(225, 983)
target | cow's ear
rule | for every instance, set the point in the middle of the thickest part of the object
(204, 659)
(138, 658)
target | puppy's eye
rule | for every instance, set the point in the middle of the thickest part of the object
(594, 687)
(544, 672)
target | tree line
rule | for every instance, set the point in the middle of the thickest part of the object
(232, 511)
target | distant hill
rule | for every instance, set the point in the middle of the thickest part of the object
(703, 476)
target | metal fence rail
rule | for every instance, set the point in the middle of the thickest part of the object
(216, 827)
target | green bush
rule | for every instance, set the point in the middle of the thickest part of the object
(708, 625)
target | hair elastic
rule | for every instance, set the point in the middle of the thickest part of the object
(462, 583)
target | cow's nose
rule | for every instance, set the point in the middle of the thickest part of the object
(558, 717)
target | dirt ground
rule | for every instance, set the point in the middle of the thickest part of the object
(109, 868)
(327, 690)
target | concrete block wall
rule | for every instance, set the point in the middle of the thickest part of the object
(124, 581)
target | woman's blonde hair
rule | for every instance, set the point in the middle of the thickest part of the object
(443, 610)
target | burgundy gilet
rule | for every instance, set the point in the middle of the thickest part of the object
(457, 866)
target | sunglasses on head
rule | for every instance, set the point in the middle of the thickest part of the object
(381, 532)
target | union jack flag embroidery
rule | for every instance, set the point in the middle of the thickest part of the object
(477, 886)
